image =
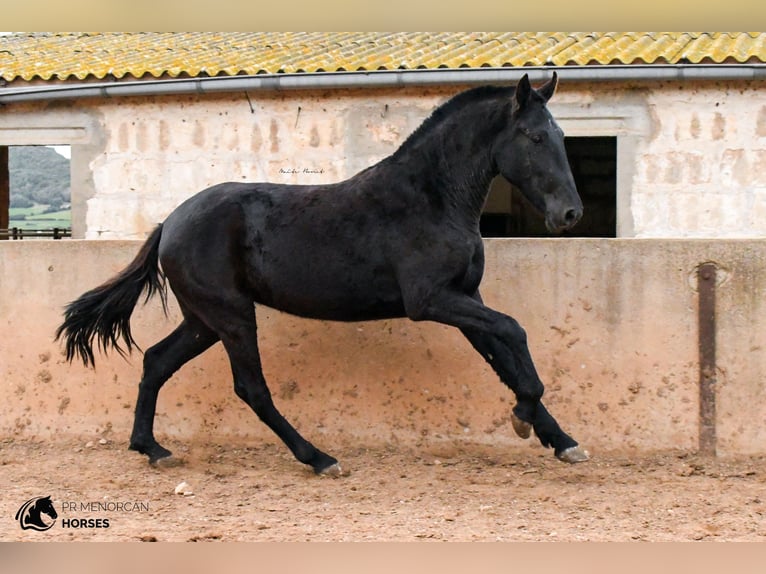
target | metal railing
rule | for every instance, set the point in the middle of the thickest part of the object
(18, 233)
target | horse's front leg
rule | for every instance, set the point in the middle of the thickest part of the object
(546, 428)
(502, 342)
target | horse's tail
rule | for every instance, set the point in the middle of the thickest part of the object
(104, 312)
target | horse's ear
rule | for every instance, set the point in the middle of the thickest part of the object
(521, 95)
(549, 88)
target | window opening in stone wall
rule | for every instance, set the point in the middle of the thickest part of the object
(37, 193)
(594, 166)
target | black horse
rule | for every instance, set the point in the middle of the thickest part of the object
(399, 239)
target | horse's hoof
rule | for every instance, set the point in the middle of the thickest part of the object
(333, 471)
(158, 455)
(573, 455)
(522, 428)
(164, 460)
(167, 462)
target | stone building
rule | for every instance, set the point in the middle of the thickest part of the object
(666, 131)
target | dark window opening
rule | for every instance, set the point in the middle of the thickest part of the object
(594, 165)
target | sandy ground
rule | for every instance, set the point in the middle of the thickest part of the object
(448, 492)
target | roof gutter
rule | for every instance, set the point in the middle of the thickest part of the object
(387, 79)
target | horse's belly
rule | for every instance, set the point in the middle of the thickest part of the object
(330, 293)
(314, 304)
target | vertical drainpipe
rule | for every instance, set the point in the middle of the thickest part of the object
(706, 283)
(5, 189)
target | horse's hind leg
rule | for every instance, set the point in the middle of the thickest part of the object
(188, 340)
(236, 327)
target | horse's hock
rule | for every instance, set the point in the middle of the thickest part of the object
(617, 328)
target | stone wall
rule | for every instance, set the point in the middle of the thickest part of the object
(703, 171)
(160, 151)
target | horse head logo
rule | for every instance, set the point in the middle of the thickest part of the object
(30, 514)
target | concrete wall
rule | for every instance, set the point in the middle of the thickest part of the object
(691, 155)
(612, 325)
(703, 171)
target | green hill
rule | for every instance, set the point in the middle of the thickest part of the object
(38, 175)
(40, 188)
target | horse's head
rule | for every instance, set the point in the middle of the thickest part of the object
(45, 506)
(530, 154)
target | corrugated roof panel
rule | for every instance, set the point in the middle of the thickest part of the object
(704, 46)
(650, 48)
(61, 56)
(720, 47)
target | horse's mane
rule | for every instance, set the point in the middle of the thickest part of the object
(452, 105)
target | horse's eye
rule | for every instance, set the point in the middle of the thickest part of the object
(536, 137)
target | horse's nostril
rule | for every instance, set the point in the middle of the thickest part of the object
(572, 216)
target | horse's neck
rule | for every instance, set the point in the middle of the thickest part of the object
(459, 161)
(462, 178)
(474, 187)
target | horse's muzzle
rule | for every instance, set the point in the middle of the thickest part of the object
(564, 220)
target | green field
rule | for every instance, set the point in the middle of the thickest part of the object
(34, 218)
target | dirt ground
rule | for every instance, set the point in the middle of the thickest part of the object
(447, 492)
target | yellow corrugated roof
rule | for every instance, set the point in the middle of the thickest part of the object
(62, 56)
